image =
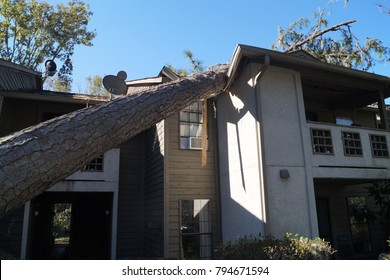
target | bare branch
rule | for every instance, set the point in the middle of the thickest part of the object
(319, 33)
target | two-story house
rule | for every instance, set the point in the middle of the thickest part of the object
(291, 146)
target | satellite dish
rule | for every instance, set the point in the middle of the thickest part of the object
(122, 75)
(114, 84)
(51, 67)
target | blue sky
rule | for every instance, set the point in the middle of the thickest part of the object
(140, 37)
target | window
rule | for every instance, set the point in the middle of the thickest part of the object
(95, 165)
(379, 146)
(322, 141)
(191, 126)
(195, 229)
(352, 144)
(358, 220)
(344, 121)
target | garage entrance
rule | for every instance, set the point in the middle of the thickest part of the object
(71, 225)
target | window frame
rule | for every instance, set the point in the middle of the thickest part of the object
(95, 162)
(184, 138)
(319, 145)
(352, 140)
(199, 233)
(383, 149)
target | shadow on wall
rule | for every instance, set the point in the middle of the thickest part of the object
(240, 171)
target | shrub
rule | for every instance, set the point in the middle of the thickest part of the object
(289, 248)
(6, 256)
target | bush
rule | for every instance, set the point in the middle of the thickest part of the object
(289, 248)
(6, 256)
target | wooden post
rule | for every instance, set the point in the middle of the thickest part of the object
(382, 111)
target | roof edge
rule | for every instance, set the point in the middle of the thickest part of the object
(243, 53)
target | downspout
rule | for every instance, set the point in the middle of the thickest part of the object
(260, 156)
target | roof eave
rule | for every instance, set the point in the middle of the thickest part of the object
(243, 54)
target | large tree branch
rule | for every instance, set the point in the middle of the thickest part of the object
(317, 34)
(37, 157)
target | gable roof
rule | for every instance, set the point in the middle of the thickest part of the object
(165, 75)
(307, 66)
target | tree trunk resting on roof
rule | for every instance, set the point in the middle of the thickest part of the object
(37, 157)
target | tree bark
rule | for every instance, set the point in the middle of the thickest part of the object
(35, 158)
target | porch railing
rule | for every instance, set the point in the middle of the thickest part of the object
(349, 146)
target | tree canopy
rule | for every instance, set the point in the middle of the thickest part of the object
(335, 44)
(32, 32)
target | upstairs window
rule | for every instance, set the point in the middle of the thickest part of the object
(379, 146)
(352, 144)
(322, 141)
(95, 165)
(191, 126)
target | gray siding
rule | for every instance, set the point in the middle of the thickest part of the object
(154, 193)
(131, 199)
(14, 77)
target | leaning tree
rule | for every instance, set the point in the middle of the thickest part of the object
(35, 158)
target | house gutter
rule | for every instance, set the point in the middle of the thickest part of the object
(259, 140)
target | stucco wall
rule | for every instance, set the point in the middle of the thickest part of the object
(286, 145)
(266, 135)
(240, 169)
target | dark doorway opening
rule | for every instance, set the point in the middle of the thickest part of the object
(71, 225)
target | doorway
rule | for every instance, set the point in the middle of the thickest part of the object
(71, 225)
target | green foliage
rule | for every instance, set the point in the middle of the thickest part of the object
(196, 65)
(61, 220)
(6, 256)
(32, 32)
(95, 86)
(381, 194)
(289, 248)
(334, 44)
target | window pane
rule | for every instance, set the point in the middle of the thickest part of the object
(195, 130)
(194, 107)
(184, 116)
(194, 117)
(185, 130)
(184, 143)
(196, 229)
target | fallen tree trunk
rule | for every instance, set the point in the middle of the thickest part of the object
(35, 158)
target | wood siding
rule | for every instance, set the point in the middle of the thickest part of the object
(131, 199)
(186, 180)
(154, 193)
